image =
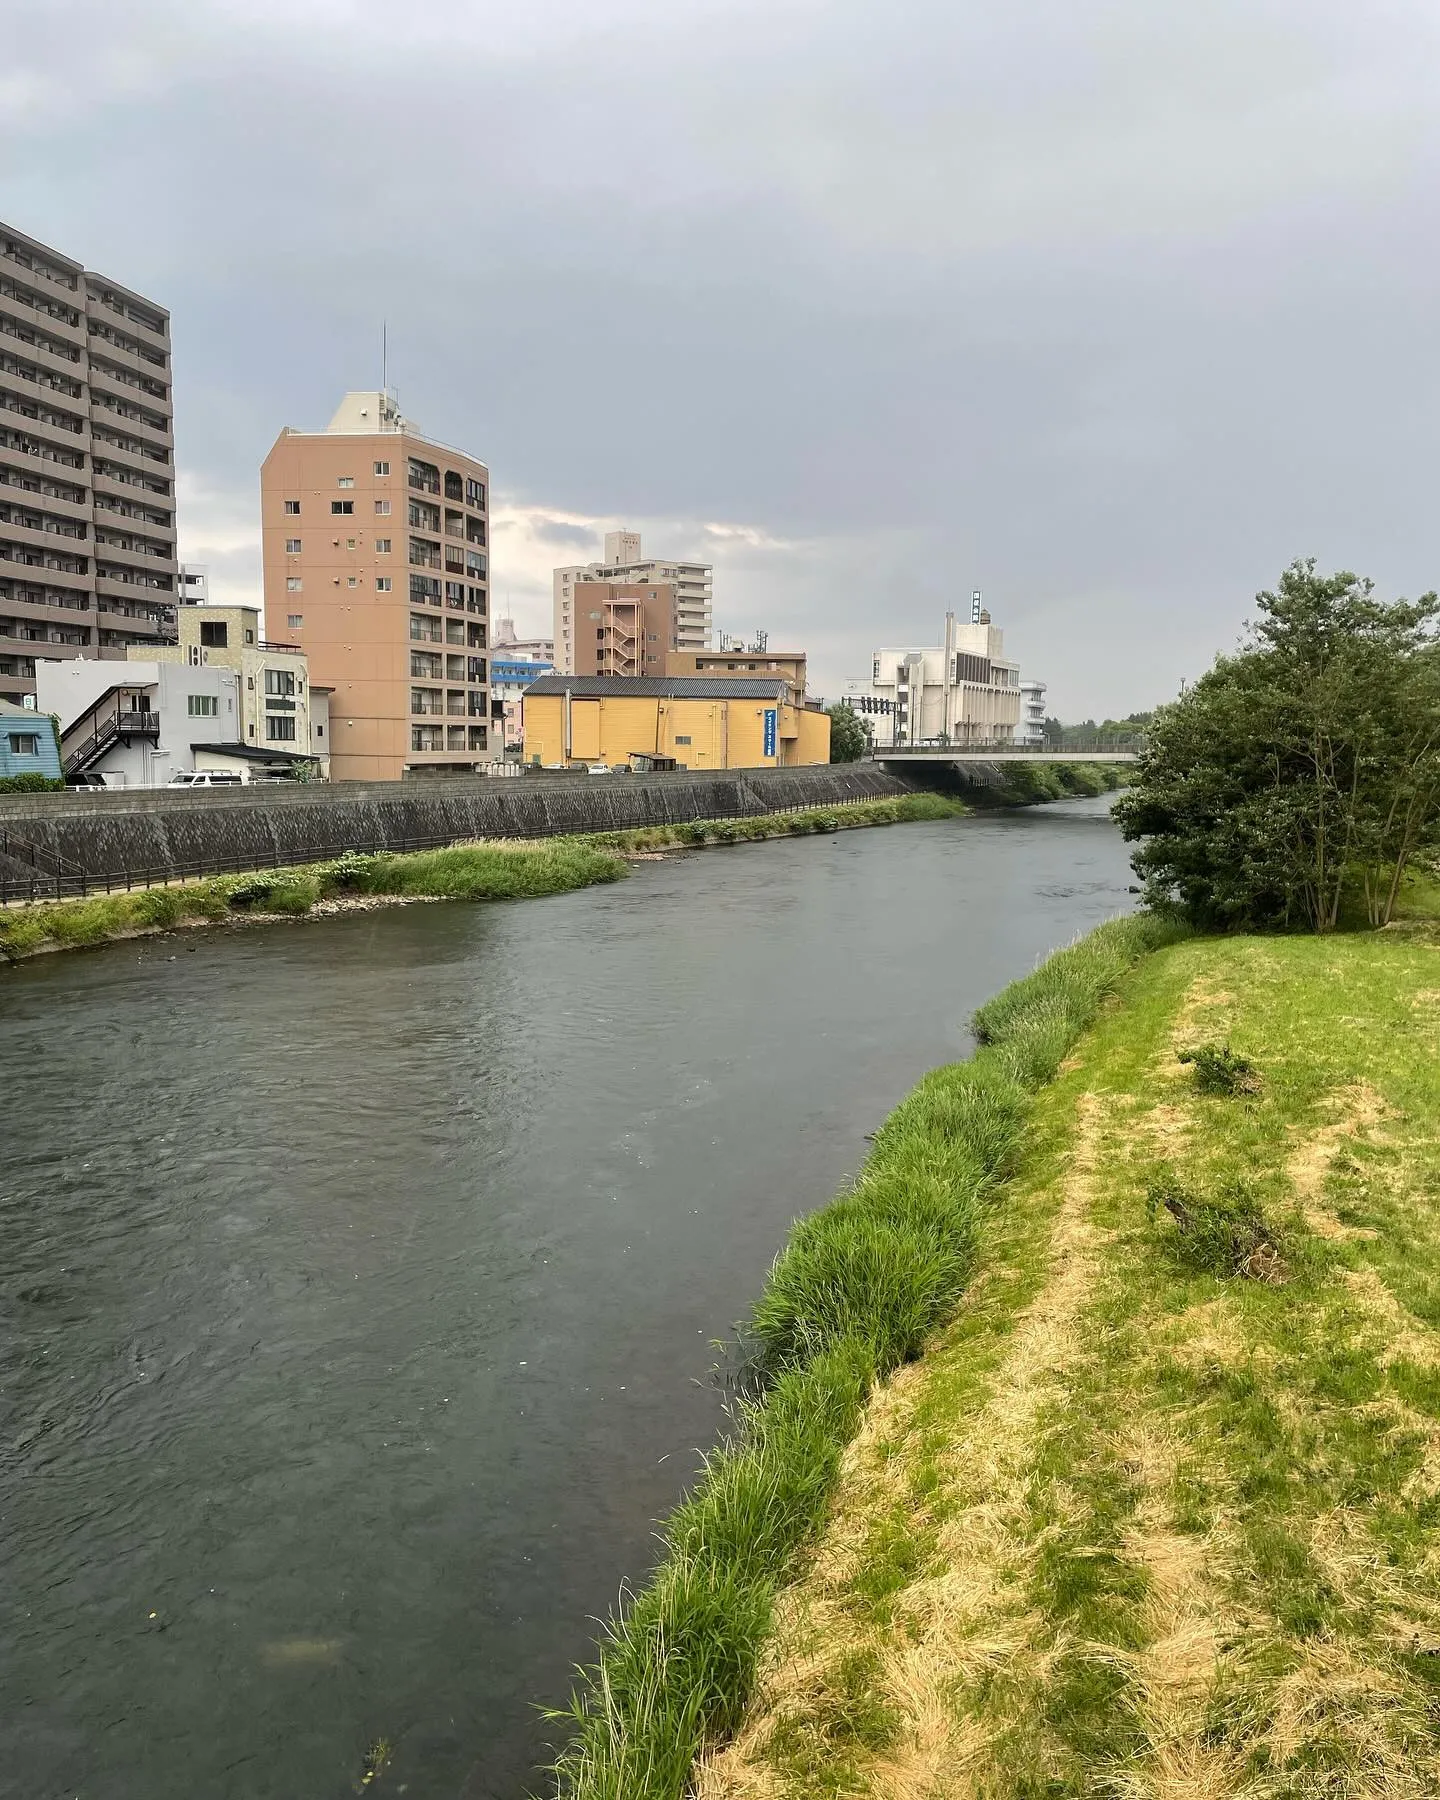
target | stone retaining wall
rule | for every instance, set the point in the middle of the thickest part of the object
(206, 831)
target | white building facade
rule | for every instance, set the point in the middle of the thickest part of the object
(963, 691)
(1032, 715)
(137, 723)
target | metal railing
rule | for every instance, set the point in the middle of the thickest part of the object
(119, 724)
(51, 877)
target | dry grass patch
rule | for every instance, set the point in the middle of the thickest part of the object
(1183, 1541)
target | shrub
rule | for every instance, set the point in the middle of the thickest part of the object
(1225, 1233)
(30, 784)
(286, 891)
(1219, 1070)
(353, 870)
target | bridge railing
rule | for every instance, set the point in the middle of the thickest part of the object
(1099, 744)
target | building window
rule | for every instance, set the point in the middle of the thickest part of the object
(424, 737)
(681, 740)
(292, 546)
(475, 494)
(345, 481)
(382, 468)
(382, 546)
(295, 621)
(382, 584)
(294, 585)
(281, 729)
(249, 637)
(215, 633)
(342, 506)
(382, 509)
(25, 743)
(350, 543)
(280, 682)
(352, 581)
(202, 706)
(292, 508)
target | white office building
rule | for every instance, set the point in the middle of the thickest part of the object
(962, 691)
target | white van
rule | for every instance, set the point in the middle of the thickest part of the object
(206, 778)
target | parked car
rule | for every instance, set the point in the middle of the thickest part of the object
(206, 778)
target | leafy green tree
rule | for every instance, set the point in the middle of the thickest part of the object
(848, 736)
(1304, 766)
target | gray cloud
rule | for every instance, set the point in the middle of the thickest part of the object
(1106, 309)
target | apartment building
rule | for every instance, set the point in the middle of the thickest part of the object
(376, 565)
(619, 627)
(964, 691)
(687, 624)
(503, 636)
(275, 716)
(87, 465)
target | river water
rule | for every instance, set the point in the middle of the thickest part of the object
(358, 1281)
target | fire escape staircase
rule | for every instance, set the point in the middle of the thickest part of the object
(119, 726)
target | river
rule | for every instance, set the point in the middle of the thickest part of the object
(359, 1277)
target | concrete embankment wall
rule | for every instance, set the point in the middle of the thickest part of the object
(190, 833)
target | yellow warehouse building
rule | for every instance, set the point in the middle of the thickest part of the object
(703, 722)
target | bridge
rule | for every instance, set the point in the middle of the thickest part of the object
(1006, 753)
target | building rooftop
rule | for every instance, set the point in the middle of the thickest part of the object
(664, 687)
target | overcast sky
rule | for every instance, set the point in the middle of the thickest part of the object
(1106, 309)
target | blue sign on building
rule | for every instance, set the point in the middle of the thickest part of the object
(772, 722)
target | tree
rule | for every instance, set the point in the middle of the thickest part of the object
(848, 736)
(1302, 768)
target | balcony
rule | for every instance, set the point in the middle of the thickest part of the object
(103, 312)
(128, 355)
(111, 444)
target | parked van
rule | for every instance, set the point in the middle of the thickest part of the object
(206, 778)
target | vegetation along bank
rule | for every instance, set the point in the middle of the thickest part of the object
(1158, 1512)
(855, 1295)
(510, 870)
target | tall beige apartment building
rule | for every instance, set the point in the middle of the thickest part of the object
(688, 586)
(376, 565)
(87, 465)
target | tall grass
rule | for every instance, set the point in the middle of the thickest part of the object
(856, 1291)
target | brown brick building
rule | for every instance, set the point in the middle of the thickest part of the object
(376, 565)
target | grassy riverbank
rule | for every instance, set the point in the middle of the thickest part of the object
(1158, 1513)
(514, 869)
(855, 1294)
(1033, 784)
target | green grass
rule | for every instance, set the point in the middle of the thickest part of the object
(1154, 1515)
(1032, 784)
(900, 809)
(855, 1293)
(516, 870)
